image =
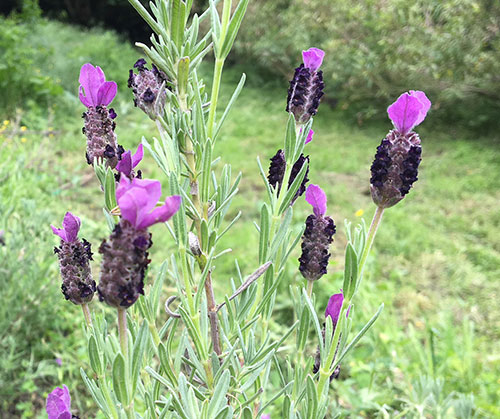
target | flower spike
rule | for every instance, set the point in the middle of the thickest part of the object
(395, 167)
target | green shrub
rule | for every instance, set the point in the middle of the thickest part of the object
(20, 81)
(378, 49)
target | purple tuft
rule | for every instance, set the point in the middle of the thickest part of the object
(409, 110)
(94, 89)
(137, 200)
(317, 198)
(334, 306)
(129, 162)
(313, 58)
(59, 403)
(309, 136)
(70, 228)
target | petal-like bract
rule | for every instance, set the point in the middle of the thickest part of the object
(59, 404)
(313, 58)
(70, 228)
(317, 198)
(409, 110)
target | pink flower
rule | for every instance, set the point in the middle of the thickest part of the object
(334, 306)
(94, 89)
(137, 200)
(70, 228)
(313, 58)
(128, 162)
(409, 110)
(317, 198)
(309, 136)
(59, 404)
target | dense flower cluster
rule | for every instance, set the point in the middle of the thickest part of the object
(96, 94)
(306, 87)
(148, 87)
(395, 167)
(317, 237)
(74, 256)
(125, 252)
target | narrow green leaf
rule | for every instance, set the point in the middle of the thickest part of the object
(94, 356)
(120, 380)
(264, 233)
(233, 99)
(234, 27)
(350, 271)
(218, 399)
(140, 345)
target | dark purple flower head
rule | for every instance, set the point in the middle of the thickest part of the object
(409, 110)
(317, 198)
(59, 403)
(318, 235)
(306, 87)
(70, 228)
(395, 167)
(137, 200)
(94, 89)
(129, 162)
(313, 58)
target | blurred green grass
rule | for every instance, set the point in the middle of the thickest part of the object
(435, 264)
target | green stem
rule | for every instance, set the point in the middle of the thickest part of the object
(310, 285)
(377, 217)
(107, 396)
(219, 64)
(87, 315)
(122, 330)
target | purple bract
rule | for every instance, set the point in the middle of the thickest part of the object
(59, 403)
(313, 58)
(309, 136)
(128, 162)
(94, 89)
(334, 306)
(137, 200)
(409, 110)
(317, 198)
(70, 228)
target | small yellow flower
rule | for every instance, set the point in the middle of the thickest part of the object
(51, 135)
(23, 140)
(23, 128)
(359, 213)
(6, 122)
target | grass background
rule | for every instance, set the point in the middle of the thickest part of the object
(435, 264)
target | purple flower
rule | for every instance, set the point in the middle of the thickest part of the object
(313, 58)
(94, 89)
(306, 87)
(59, 403)
(334, 306)
(317, 198)
(137, 200)
(409, 110)
(71, 227)
(265, 416)
(309, 136)
(129, 162)
(59, 361)
(318, 235)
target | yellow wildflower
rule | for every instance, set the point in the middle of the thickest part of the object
(6, 122)
(23, 128)
(359, 213)
(23, 140)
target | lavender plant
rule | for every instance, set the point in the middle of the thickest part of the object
(195, 354)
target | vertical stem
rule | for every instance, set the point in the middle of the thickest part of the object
(122, 330)
(87, 315)
(310, 285)
(377, 217)
(219, 64)
(212, 315)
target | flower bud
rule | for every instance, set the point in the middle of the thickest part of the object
(306, 87)
(146, 86)
(277, 172)
(74, 256)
